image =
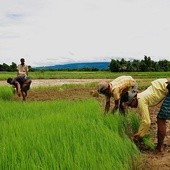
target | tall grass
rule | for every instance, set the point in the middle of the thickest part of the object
(6, 92)
(62, 135)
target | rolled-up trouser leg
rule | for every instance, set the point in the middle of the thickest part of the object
(161, 133)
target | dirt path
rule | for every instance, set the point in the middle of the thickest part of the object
(45, 82)
(50, 82)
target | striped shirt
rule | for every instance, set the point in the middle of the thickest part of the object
(122, 84)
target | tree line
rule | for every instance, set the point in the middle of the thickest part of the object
(144, 65)
(12, 67)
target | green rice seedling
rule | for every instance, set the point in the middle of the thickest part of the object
(134, 123)
(62, 135)
(6, 92)
(148, 142)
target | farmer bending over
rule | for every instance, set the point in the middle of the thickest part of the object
(22, 85)
(154, 94)
(117, 89)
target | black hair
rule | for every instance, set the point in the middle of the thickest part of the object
(9, 80)
(22, 59)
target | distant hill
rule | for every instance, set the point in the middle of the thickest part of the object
(99, 65)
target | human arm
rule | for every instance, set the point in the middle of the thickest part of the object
(22, 70)
(116, 95)
(18, 88)
(116, 106)
(107, 105)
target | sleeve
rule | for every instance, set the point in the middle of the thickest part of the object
(116, 94)
(145, 119)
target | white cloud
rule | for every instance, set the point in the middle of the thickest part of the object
(60, 31)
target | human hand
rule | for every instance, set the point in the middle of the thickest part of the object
(137, 138)
(94, 93)
(107, 109)
(19, 94)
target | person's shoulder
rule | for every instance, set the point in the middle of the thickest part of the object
(159, 81)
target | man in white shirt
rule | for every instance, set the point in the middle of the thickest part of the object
(22, 68)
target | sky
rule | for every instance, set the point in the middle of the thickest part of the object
(51, 32)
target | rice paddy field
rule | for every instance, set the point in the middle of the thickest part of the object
(86, 75)
(63, 127)
(63, 134)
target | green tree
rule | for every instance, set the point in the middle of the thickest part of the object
(5, 67)
(164, 65)
(114, 65)
(13, 67)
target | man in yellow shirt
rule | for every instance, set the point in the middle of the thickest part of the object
(154, 94)
(117, 89)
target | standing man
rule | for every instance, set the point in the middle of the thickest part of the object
(117, 89)
(153, 95)
(22, 68)
(22, 84)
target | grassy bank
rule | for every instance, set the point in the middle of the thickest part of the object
(85, 75)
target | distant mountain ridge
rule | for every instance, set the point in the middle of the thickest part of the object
(99, 65)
